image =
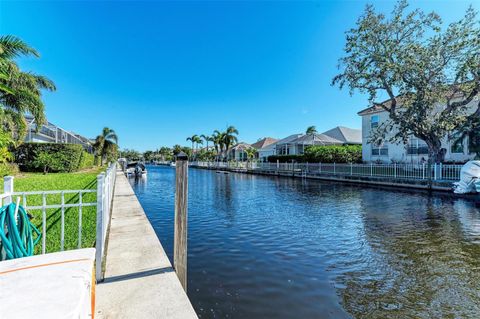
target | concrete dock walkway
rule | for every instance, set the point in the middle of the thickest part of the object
(139, 279)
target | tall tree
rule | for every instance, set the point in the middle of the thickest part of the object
(230, 137)
(311, 130)
(193, 139)
(106, 144)
(218, 140)
(207, 138)
(418, 65)
(20, 92)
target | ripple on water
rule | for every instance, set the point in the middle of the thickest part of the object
(262, 247)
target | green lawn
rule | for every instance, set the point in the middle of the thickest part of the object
(61, 181)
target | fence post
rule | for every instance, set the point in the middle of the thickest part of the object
(440, 171)
(435, 171)
(181, 217)
(8, 188)
(320, 168)
(371, 169)
(99, 240)
(351, 168)
(333, 168)
(395, 170)
(423, 170)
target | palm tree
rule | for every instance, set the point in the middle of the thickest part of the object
(193, 139)
(207, 139)
(218, 141)
(20, 92)
(230, 137)
(311, 130)
(198, 140)
(105, 144)
(251, 152)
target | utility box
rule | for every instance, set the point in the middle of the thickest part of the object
(57, 285)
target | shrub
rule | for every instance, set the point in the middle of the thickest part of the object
(86, 161)
(334, 154)
(47, 161)
(65, 157)
(8, 169)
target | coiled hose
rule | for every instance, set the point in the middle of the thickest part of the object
(16, 236)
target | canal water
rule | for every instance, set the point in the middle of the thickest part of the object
(266, 247)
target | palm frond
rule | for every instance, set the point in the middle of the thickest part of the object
(12, 47)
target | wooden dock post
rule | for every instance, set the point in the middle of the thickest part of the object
(181, 218)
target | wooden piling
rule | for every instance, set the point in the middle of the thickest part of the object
(181, 218)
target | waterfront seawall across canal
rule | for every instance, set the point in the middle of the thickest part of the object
(139, 279)
(437, 185)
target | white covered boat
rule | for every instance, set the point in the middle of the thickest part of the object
(469, 179)
(135, 169)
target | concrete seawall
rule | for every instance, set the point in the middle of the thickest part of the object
(139, 279)
(443, 186)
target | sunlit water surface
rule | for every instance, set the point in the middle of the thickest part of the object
(265, 247)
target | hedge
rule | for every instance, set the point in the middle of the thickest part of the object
(87, 160)
(334, 154)
(68, 157)
(323, 154)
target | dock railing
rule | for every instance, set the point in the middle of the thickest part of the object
(65, 200)
(437, 172)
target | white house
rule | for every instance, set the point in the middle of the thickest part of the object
(415, 150)
(51, 133)
(237, 152)
(295, 144)
(265, 147)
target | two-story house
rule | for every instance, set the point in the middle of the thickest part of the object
(415, 150)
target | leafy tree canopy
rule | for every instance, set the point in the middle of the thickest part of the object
(418, 65)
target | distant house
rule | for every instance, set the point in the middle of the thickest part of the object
(348, 136)
(237, 152)
(286, 146)
(264, 147)
(264, 142)
(415, 150)
(295, 144)
(51, 133)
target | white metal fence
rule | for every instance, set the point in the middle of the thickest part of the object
(446, 172)
(65, 199)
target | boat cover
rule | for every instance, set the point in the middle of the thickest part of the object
(469, 176)
(57, 285)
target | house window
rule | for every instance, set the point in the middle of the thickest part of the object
(380, 150)
(374, 121)
(457, 144)
(284, 150)
(416, 146)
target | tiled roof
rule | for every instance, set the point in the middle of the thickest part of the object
(345, 134)
(316, 139)
(264, 142)
(241, 146)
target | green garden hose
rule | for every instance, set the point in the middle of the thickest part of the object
(16, 236)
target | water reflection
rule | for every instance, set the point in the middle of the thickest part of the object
(420, 263)
(263, 247)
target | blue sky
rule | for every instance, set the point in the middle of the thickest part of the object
(157, 72)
